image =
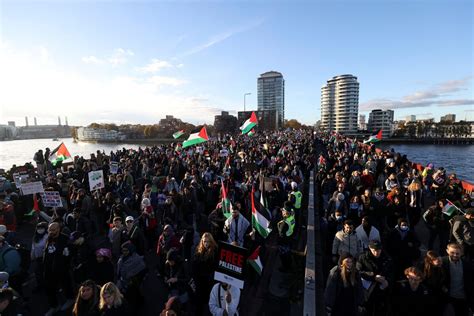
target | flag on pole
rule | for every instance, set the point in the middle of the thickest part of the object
(226, 205)
(59, 154)
(374, 138)
(254, 261)
(449, 208)
(178, 134)
(196, 138)
(259, 222)
(249, 124)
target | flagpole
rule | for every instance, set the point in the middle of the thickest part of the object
(464, 213)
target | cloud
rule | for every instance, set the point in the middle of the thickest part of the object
(92, 60)
(155, 65)
(222, 37)
(55, 90)
(120, 56)
(424, 98)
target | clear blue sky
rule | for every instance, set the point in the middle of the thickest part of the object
(135, 61)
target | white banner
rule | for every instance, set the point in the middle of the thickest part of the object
(32, 187)
(96, 180)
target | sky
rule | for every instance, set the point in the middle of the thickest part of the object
(137, 61)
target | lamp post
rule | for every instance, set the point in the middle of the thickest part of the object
(245, 95)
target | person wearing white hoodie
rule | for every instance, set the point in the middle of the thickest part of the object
(367, 232)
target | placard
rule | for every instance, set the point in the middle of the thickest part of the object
(32, 187)
(231, 264)
(51, 199)
(96, 180)
(113, 167)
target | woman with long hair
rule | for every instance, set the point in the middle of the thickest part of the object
(344, 292)
(414, 202)
(203, 268)
(87, 300)
(434, 280)
(112, 302)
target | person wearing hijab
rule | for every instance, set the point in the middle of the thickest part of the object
(166, 242)
(130, 271)
(101, 267)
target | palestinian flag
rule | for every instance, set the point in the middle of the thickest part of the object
(249, 124)
(252, 132)
(60, 153)
(449, 208)
(254, 261)
(259, 222)
(196, 138)
(225, 202)
(374, 138)
(264, 205)
(178, 134)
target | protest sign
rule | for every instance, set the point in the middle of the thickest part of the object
(32, 187)
(96, 180)
(113, 167)
(51, 199)
(231, 264)
(223, 152)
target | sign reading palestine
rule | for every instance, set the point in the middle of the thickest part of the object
(231, 263)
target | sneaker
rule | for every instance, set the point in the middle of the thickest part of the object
(67, 304)
(52, 311)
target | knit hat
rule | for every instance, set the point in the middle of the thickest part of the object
(103, 252)
(470, 211)
(4, 276)
(3, 229)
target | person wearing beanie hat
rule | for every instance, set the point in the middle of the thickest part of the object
(167, 241)
(148, 222)
(343, 286)
(101, 270)
(376, 270)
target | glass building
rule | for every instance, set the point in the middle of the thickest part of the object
(271, 94)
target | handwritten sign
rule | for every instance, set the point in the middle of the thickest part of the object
(96, 180)
(51, 199)
(32, 188)
(113, 167)
(231, 264)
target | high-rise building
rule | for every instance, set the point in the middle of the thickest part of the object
(271, 94)
(340, 104)
(225, 123)
(381, 120)
(410, 118)
(448, 118)
(362, 123)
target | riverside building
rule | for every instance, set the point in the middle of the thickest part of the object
(381, 120)
(271, 94)
(340, 104)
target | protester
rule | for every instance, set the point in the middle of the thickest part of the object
(112, 302)
(237, 228)
(463, 232)
(87, 300)
(346, 241)
(224, 300)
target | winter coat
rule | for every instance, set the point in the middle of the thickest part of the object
(342, 300)
(344, 242)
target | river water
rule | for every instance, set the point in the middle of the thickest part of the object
(454, 158)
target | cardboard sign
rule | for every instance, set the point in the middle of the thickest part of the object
(231, 264)
(32, 188)
(96, 180)
(51, 199)
(113, 167)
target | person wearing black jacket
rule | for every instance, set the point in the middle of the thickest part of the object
(56, 263)
(458, 281)
(376, 270)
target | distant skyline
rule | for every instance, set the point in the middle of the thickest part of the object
(137, 61)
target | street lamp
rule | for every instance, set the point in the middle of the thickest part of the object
(245, 95)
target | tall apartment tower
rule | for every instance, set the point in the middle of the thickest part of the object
(340, 104)
(271, 94)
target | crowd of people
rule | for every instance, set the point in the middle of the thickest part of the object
(160, 215)
(374, 207)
